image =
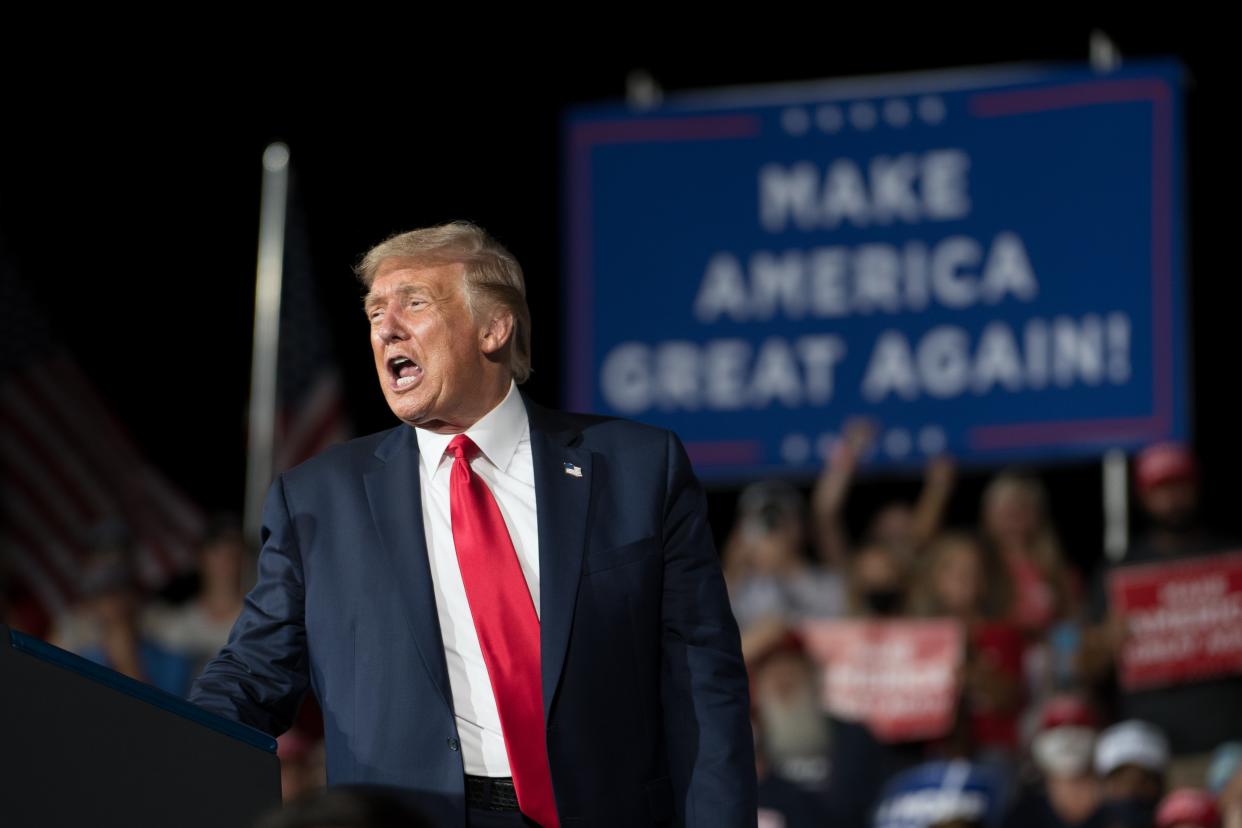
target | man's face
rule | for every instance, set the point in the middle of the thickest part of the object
(1131, 782)
(426, 344)
(221, 560)
(1172, 503)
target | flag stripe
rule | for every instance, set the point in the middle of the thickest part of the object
(309, 389)
(52, 486)
(25, 504)
(27, 474)
(178, 510)
(319, 424)
(59, 564)
(101, 454)
(322, 399)
(82, 465)
(60, 458)
(68, 467)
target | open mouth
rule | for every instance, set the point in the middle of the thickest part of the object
(404, 371)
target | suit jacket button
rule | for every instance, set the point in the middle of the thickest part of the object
(454, 744)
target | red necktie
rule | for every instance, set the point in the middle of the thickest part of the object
(508, 628)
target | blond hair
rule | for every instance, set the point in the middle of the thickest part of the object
(996, 587)
(1044, 547)
(493, 276)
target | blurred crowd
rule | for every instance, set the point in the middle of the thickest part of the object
(165, 639)
(1042, 732)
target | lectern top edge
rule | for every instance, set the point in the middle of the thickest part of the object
(151, 695)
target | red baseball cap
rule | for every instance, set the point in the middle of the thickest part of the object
(1187, 806)
(1162, 463)
(1067, 709)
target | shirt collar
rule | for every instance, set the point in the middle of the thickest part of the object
(497, 434)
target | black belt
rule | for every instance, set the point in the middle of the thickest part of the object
(491, 793)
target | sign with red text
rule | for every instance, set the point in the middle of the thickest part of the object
(1184, 620)
(899, 678)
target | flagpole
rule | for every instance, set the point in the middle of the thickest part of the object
(266, 333)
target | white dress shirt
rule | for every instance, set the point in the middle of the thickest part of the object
(505, 465)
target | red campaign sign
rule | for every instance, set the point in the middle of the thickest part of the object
(900, 678)
(1184, 620)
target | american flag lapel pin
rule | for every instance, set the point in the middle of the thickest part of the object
(572, 470)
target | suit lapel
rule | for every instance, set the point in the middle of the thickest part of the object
(393, 492)
(562, 506)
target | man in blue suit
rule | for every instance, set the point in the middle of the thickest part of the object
(596, 592)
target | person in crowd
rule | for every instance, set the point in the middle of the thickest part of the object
(75, 628)
(877, 582)
(1225, 766)
(773, 584)
(199, 628)
(1224, 781)
(1044, 593)
(957, 579)
(944, 794)
(1197, 714)
(1187, 808)
(903, 527)
(792, 726)
(860, 765)
(1132, 759)
(1166, 484)
(112, 604)
(1018, 530)
(783, 804)
(1067, 793)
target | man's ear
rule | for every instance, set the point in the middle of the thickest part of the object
(498, 331)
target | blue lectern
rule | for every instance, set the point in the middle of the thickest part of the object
(84, 745)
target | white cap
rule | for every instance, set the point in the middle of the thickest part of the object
(1131, 743)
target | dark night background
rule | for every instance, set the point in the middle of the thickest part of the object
(129, 200)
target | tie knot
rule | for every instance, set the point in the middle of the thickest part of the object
(463, 448)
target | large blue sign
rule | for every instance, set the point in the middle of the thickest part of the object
(986, 263)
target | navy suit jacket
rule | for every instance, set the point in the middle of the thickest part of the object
(645, 693)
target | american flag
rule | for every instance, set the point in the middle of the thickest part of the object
(312, 412)
(68, 468)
